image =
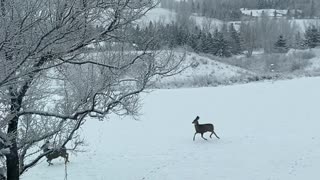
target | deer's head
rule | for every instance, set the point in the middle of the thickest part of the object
(195, 121)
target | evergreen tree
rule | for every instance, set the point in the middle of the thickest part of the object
(275, 13)
(224, 30)
(138, 38)
(206, 42)
(299, 44)
(210, 44)
(172, 32)
(215, 42)
(235, 40)
(181, 36)
(235, 15)
(281, 45)
(165, 35)
(191, 42)
(220, 45)
(149, 31)
(312, 37)
(192, 39)
(261, 4)
(193, 8)
(200, 42)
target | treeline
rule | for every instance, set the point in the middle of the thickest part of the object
(230, 9)
(225, 42)
(270, 35)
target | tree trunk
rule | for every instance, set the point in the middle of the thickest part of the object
(12, 159)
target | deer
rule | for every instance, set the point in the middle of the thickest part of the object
(202, 128)
(61, 152)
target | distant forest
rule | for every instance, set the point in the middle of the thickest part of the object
(227, 41)
(273, 35)
(230, 9)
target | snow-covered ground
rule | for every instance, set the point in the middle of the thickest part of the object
(300, 24)
(303, 24)
(266, 12)
(158, 15)
(202, 71)
(206, 70)
(268, 131)
(315, 62)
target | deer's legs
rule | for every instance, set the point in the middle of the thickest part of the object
(214, 134)
(66, 158)
(50, 163)
(203, 137)
(194, 136)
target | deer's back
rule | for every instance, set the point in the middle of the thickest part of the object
(204, 128)
(56, 153)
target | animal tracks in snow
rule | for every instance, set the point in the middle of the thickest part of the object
(306, 158)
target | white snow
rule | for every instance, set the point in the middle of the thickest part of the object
(267, 12)
(202, 68)
(314, 62)
(162, 15)
(268, 130)
(303, 24)
(166, 16)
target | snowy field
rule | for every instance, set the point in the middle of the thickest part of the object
(268, 131)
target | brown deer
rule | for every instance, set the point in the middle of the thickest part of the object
(61, 152)
(202, 128)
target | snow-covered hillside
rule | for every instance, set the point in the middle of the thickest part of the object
(158, 15)
(202, 71)
(267, 130)
(205, 70)
(267, 12)
(300, 24)
(303, 24)
(166, 16)
(314, 65)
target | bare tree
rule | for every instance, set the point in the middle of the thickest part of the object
(248, 33)
(264, 31)
(50, 81)
(268, 31)
(183, 14)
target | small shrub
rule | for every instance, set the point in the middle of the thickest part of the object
(299, 64)
(307, 55)
(194, 64)
(204, 61)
